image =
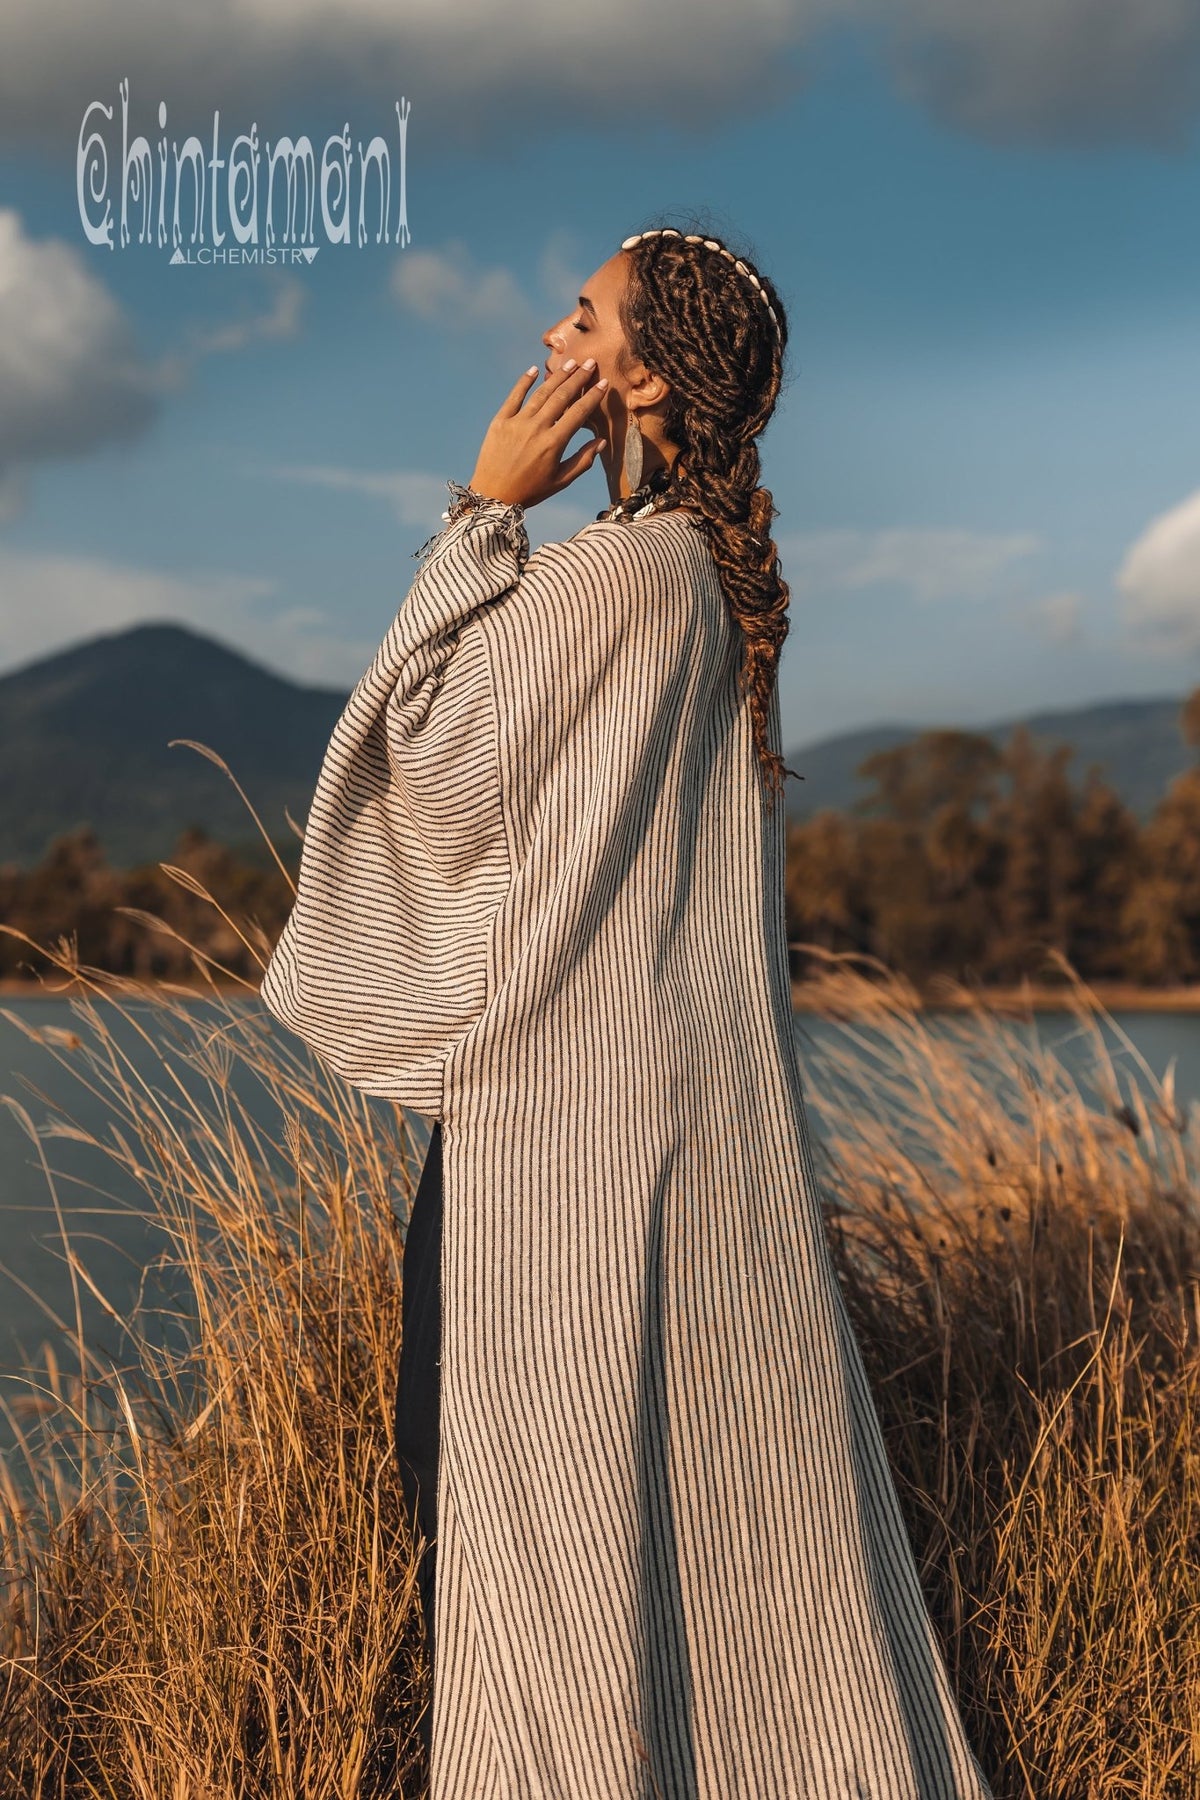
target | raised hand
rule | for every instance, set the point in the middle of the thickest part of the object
(521, 457)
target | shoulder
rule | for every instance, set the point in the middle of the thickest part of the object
(677, 526)
(614, 591)
(662, 557)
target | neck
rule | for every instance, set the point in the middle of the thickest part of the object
(648, 489)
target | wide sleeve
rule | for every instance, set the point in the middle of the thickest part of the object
(614, 668)
(597, 655)
(386, 957)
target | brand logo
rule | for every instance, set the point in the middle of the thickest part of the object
(238, 210)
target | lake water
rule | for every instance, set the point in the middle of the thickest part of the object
(36, 1301)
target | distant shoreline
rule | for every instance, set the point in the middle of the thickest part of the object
(1112, 996)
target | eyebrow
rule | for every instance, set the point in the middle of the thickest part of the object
(586, 303)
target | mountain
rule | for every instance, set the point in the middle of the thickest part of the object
(84, 740)
(1136, 744)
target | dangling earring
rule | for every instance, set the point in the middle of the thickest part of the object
(633, 454)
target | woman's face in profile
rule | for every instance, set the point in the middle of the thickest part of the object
(593, 327)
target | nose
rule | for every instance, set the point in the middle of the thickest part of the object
(553, 340)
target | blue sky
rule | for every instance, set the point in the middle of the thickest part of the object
(988, 239)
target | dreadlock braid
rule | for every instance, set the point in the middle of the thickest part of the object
(694, 315)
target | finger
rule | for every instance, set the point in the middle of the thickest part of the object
(578, 411)
(580, 381)
(575, 465)
(563, 378)
(518, 391)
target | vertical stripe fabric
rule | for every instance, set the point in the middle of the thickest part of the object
(542, 899)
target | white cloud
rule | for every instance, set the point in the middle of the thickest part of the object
(414, 497)
(1057, 617)
(473, 72)
(1050, 71)
(14, 494)
(449, 290)
(484, 74)
(1159, 577)
(71, 377)
(418, 499)
(52, 601)
(932, 563)
(447, 287)
(560, 270)
(281, 320)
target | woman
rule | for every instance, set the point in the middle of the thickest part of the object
(541, 903)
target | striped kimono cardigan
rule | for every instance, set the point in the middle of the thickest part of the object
(541, 900)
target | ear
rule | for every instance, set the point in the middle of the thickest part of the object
(647, 388)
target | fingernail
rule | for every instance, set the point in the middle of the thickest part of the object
(568, 365)
(590, 362)
(603, 381)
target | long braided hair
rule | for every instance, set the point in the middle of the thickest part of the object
(693, 317)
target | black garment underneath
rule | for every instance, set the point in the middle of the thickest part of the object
(418, 1388)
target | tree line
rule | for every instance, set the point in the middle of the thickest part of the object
(965, 859)
(972, 860)
(144, 922)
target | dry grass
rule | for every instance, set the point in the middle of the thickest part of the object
(1021, 1259)
(210, 1586)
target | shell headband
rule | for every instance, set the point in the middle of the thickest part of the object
(709, 244)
